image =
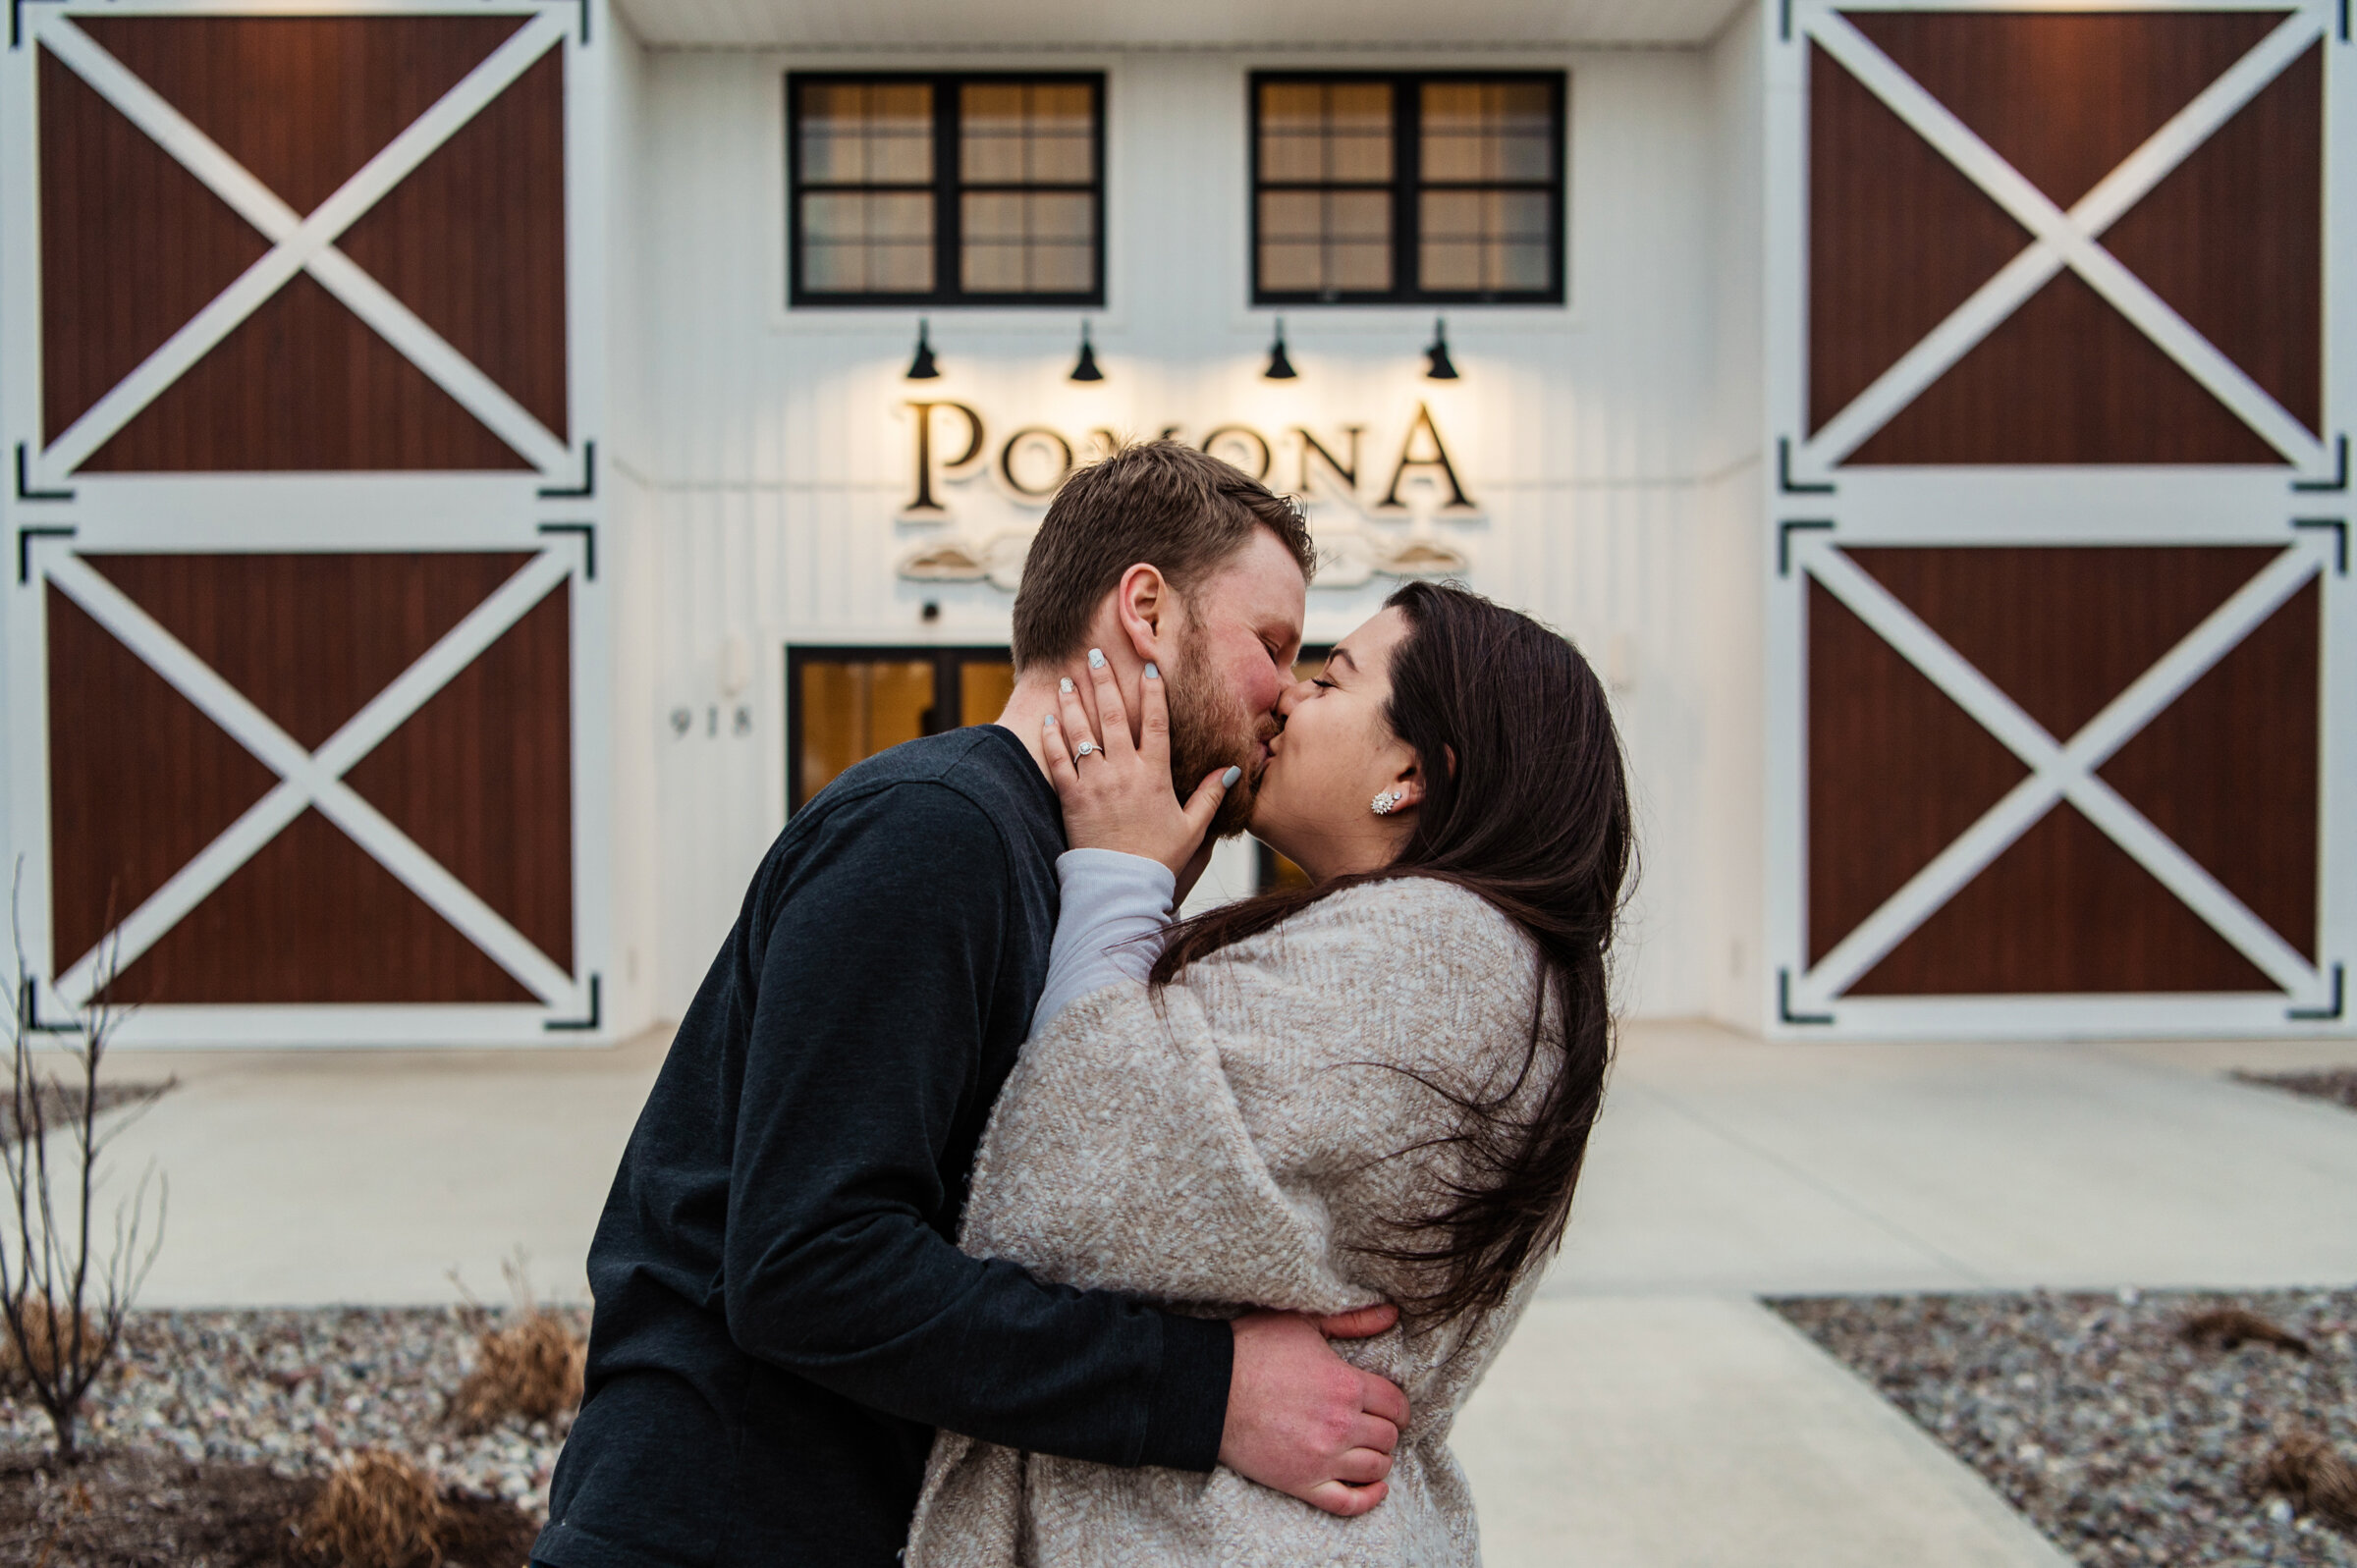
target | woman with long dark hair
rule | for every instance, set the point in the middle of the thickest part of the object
(1375, 1088)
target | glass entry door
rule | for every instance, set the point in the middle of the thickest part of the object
(843, 705)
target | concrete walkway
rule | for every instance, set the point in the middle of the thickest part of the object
(1648, 1412)
(306, 1178)
(1727, 1164)
(1663, 1431)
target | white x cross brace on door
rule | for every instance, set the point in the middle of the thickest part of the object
(2061, 240)
(2063, 770)
(301, 243)
(314, 779)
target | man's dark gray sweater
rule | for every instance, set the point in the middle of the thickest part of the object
(782, 1317)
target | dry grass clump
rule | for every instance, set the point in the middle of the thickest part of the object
(2306, 1468)
(377, 1510)
(48, 1338)
(530, 1367)
(2229, 1328)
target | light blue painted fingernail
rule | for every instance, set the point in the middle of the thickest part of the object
(1152, 673)
(1065, 686)
(1051, 720)
(1096, 658)
(1227, 780)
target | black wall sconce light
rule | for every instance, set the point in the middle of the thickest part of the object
(1087, 369)
(922, 367)
(1279, 369)
(1441, 368)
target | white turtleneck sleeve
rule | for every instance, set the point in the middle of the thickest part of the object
(1108, 927)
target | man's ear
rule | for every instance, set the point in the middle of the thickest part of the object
(1147, 612)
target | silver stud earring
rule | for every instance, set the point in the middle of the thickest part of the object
(1384, 804)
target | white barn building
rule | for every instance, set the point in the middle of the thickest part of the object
(473, 478)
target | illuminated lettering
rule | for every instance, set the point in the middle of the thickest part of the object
(924, 501)
(1311, 447)
(1439, 459)
(1036, 435)
(1243, 433)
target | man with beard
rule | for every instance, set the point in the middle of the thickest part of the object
(782, 1318)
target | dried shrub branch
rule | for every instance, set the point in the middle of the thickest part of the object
(63, 1301)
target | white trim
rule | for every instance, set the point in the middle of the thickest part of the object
(314, 779)
(293, 8)
(301, 243)
(351, 1026)
(2161, 1016)
(2062, 239)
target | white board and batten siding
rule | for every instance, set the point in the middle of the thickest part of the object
(1609, 445)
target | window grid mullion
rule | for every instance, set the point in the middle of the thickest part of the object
(949, 220)
(1407, 121)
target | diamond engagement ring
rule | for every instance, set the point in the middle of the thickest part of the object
(1084, 750)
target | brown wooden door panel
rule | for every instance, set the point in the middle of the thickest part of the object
(313, 919)
(302, 102)
(310, 637)
(1897, 770)
(2228, 770)
(479, 777)
(472, 242)
(2065, 379)
(2232, 240)
(131, 247)
(140, 781)
(304, 386)
(2064, 97)
(1898, 238)
(2064, 911)
(2062, 630)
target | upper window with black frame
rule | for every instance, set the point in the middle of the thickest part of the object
(946, 190)
(1443, 188)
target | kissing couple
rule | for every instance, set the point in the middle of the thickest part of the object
(985, 1213)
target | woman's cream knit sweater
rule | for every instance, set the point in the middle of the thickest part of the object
(1229, 1142)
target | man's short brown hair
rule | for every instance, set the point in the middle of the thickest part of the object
(1166, 504)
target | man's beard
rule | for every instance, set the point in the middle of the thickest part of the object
(1210, 729)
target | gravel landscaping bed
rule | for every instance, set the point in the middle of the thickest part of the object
(2098, 1418)
(285, 1395)
(145, 1508)
(2338, 1085)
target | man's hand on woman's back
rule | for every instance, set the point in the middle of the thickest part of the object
(1304, 1422)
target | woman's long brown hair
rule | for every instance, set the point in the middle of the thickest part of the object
(1533, 816)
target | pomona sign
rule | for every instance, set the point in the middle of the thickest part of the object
(954, 444)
